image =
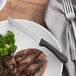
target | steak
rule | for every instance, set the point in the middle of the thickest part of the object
(10, 65)
(27, 62)
(31, 62)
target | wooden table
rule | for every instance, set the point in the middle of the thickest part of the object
(33, 10)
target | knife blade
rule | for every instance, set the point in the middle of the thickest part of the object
(39, 40)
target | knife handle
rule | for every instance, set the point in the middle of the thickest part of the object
(56, 52)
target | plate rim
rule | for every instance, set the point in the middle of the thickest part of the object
(2, 4)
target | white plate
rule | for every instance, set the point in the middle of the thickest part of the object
(2, 4)
(54, 67)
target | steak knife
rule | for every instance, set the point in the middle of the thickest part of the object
(39, 40)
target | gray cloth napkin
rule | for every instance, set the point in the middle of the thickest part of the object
(61, 28)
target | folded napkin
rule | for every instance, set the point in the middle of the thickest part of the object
(61, 28)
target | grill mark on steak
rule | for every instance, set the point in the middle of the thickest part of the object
(23, 56)
(39, 63)
(36, 70)
(29, 63)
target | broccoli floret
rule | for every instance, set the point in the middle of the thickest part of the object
(9, 38)
(7, 44)
(12, 48)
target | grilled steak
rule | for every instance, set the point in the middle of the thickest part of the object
(31, 62)
(28, 62)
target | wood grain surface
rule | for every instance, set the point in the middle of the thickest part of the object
(33, 10)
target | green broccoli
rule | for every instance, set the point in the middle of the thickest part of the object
(7, 44)
(9, 38)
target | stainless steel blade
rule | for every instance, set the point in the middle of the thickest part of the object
(24, 30)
